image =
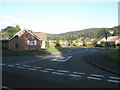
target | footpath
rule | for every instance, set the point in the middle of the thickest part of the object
(102, 62)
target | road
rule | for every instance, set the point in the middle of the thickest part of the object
(63, 70)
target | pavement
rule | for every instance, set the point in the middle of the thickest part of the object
(102, 62)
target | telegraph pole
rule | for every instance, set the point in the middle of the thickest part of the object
(105, 35)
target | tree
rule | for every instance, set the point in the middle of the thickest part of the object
(11, 31)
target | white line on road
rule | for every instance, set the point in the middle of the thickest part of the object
(17, 64)
(58, 73)
(61, 60)
(62, 71)
(26, 65)
(38, 67)
(68, 58)
(79, 73)
(10, 65)
(20, 67)
(73, 75)
(6, 88)
(94, 78)
(115, 78)
(31, 69)
(2, 64)
(43, 70)
(113, 81)
(96, 75)
(49, 69)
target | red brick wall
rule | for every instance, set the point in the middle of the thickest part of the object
(23, 37)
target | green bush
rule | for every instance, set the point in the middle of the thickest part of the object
(117, 47)
(76, 44)
(85, 44)
(57, 45)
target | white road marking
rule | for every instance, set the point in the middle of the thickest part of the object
(58, 73)
(96, 75)
(20, 67)
(53, 59)
(73, 75)
(94, 78)
(17, 64)
(68, 58)
(49, 69)
(6, 88)
(113, 81)
(26, 65)
(31, 69)
(38, 67)
(10, 65)
(43, 70)
(3, 64)
(58, 60)
(62, 71)
(79, 73)
(0, 63)
(115, 78)
(61, 60)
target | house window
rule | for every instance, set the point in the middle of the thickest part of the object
(31, 42)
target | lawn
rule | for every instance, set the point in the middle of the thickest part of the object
(42, 50)
(115, 57)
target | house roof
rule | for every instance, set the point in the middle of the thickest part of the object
(41, 35)
(28, 32)
(88, 40)
(113, 38)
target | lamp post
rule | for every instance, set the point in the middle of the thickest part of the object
(105, 35)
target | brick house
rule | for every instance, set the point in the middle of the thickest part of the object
(24, 40)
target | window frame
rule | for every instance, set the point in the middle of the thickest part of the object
(31, 42)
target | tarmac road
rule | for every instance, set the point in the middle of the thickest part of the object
(62, 70)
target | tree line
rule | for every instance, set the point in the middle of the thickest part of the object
(91, 33)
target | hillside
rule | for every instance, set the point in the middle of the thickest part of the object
(86, 33)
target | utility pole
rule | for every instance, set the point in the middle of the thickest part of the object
(105, 35)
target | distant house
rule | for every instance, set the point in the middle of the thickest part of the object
(80, 42)
(63, 42)
(111, 40)
(52, 42)
(89, 41)
(24, 40)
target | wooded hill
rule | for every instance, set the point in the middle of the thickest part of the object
(90, 33)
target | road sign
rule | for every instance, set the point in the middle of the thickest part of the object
(105, 35)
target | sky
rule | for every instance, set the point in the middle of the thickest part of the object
(58, 17)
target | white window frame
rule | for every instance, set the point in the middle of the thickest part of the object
(32, 42)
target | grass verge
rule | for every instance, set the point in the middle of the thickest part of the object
(115, 57)
(42, 50)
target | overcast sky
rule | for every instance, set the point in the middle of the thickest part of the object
(58, 17)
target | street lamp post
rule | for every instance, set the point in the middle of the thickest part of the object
(105, 35)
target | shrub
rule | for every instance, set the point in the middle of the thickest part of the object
(85, 44)
(57, 45)
(76, 44)
(117, 47)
